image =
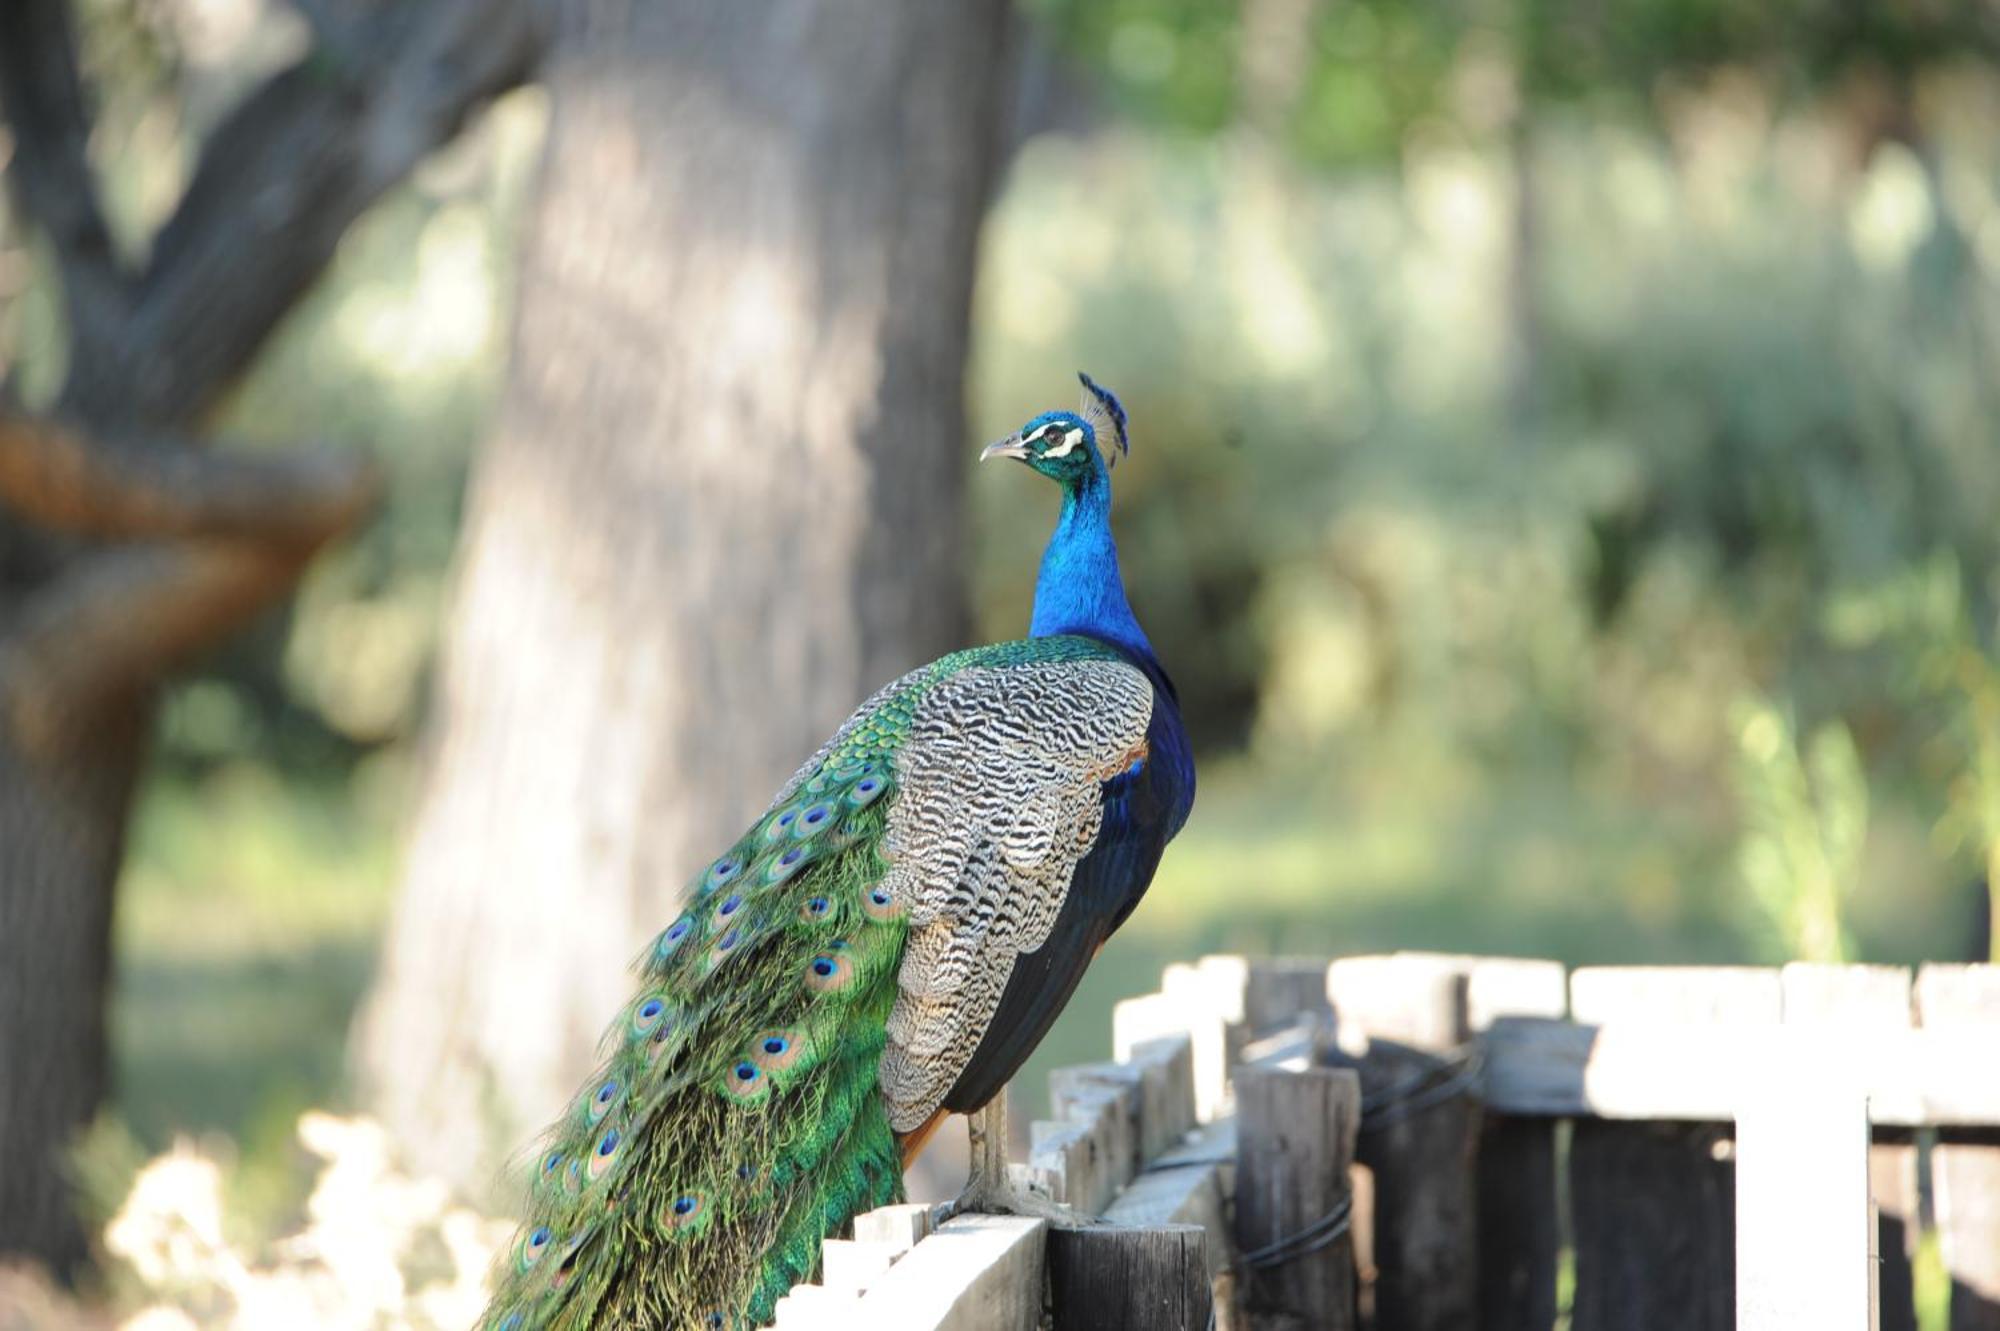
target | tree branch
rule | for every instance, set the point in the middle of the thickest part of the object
(119, 621)
(207, 541)
(56, 477)
(280, 181)
(41, 97)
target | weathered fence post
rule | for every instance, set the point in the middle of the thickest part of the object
(1805, 1230)
(1419, 1136)
(1520, 1241)
(1966, 1176)
(1110, 1278)
(1281, 991)
(1295, 1142)
(1869, 998)
(1653, 1203)
(1203, 1002)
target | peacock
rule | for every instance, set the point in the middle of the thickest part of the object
(885, 945)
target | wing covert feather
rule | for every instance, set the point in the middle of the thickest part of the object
(1001, 785)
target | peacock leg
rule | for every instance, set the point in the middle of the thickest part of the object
(988, 1188)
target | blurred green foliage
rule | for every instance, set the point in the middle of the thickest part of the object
(1515, 387)
(1805, 816)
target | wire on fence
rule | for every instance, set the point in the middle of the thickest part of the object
(1414, 1094)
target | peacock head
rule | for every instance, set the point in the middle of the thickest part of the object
(1070, 447)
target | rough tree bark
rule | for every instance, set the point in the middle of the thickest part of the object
(721, 507)
(126, 550)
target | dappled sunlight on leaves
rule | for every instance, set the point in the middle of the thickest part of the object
(379, 1249)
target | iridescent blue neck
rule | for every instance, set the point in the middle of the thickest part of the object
(1080, 590)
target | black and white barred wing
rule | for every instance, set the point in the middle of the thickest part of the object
(1001, 778)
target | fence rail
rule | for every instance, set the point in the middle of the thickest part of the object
(1422, 1142)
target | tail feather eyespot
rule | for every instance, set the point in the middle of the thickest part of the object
(533, 1244)
(830, 971)
(648, 1015)
(604, 1154)
(745, 1083)
(600, 1101)
(880, 904)
(684, 1212)
(785, 865)
(670, 941)
(776, 1051)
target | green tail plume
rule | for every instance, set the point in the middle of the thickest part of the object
(735, 1121)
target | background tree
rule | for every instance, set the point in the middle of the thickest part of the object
(719, 509)
(136, 549)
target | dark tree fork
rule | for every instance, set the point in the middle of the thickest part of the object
(126, 549)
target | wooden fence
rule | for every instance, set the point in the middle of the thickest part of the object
(1432, 1143)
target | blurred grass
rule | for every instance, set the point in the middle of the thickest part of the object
(249, 920)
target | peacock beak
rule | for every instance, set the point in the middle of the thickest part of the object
(1010, 447)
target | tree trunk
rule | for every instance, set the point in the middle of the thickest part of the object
(721, 507)
(136, 549)
(62, 817)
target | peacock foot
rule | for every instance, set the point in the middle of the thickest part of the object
(984, 1196)
(993, 1187)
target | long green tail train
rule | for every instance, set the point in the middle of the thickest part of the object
(736, 1120)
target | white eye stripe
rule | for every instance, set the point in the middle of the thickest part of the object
(1070, 441)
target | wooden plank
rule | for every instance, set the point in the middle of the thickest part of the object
(976, 1273)
(1419, 1135)
(1892, 1182)
(1846, 999)
(1188, 1184)
(1416, 999)
(1281, 990)
(1165, 1068)
(1653, 1203)
(1498, 987)
(1425, 1224)
(1652, 1211)
(1215, 987)
(1185, 1194)
(1519, 1238)
(1203, 1003)
(1804, 1224)
(1081, 1093)
(1643, 1069)
(1292, 1048)
(1108, 1278)
(852, 1265)
(1067, 1158)
(1517, 1189)
(903, 1225)
(1675, 994)
(1966, 1178)
(1296, 1136)
(1110, 1112)
(1819, 994)
(813, 1308)
(1425, 1221)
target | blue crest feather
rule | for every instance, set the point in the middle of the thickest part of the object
(1102, 408)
